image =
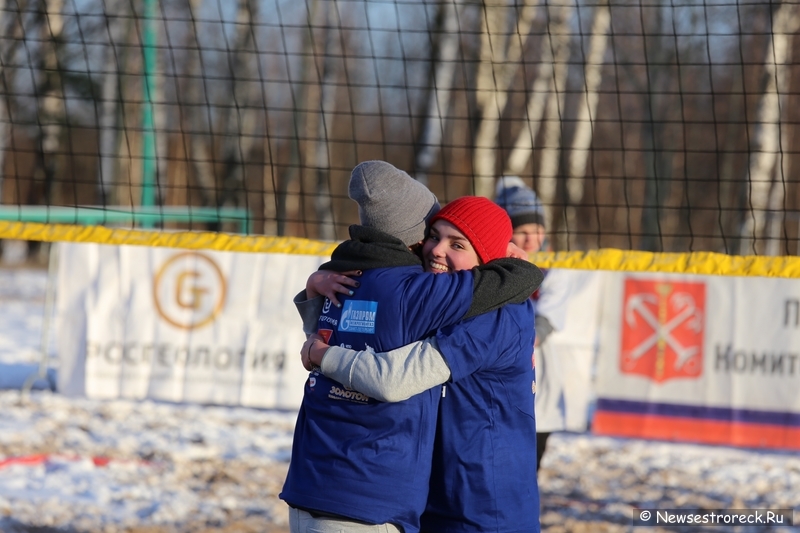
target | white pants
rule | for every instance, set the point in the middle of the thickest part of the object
(302, 522)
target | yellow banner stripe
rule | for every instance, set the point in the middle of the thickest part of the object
(191, 240)
(708, 263)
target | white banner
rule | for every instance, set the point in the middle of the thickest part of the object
(183, 326)
(706, 358)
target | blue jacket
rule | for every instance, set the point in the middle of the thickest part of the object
(484, 468)
(352, 456)
(356, 457)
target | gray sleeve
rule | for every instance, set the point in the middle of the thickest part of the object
(309, 311)
(389, 376)
(543, 328)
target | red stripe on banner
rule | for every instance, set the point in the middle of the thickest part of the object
(704, 431)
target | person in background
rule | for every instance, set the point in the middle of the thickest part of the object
(530, 233)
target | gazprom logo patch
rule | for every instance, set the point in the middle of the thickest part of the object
(358, 316)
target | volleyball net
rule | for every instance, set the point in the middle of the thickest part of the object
(655, 134)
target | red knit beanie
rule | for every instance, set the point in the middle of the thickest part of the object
(484, 223)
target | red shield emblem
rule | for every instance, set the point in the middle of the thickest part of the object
(662, 329)
(325, 334)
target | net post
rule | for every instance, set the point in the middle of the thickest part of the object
(149, 60)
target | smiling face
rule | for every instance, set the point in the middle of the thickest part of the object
(446, 250)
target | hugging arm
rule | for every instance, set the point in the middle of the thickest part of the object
(309, 310)
(401, 373)
(503, 281)
(391, 376)
(499, 282)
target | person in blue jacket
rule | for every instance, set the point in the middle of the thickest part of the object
(483, 478)
(359, 464)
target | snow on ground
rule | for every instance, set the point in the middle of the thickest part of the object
(80, 465)
(591, 483)
(88, 464)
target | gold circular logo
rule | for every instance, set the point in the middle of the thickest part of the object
(189, 290)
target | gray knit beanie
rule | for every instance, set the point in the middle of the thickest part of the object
(391, 201)
(519, 201)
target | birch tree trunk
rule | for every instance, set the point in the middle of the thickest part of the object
(200, 124)
(777, 197)
(439, 98)
(241, 118)
(50, 106)
(128, 134)
(194, 116)
(523, 146)
(247, 91)
(491, 92)
(299, 91)
(109, 122)
(587, 112)
(108, 128)
(500, 57)
(658, 176)
(655, 83)
(326, 105)
(551, 148)
(10, 25)
(767, 138)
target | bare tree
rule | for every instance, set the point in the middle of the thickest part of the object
(298, 89)
(50, 110)
(587, 111)
(777, 197)
(439, 98)
(500, 57)
(11, 26)
(490, 94)
(767, 139)
(326, 50)
(196, 111)
(554, 113)
(117, 28)
(240, 121)
(537, 98)
(5, 125)
(726, 89)
(660, 55)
